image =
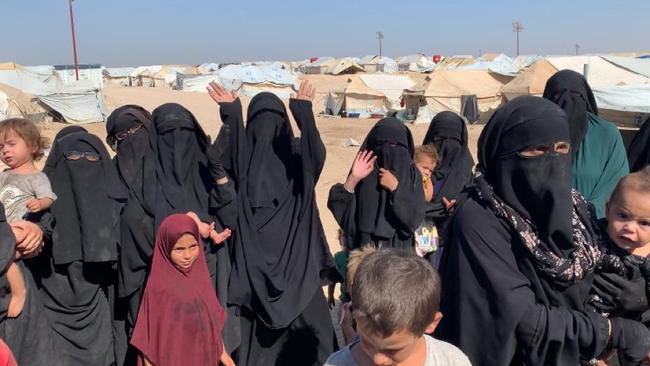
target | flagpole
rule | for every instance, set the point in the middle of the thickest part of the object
(74, 41)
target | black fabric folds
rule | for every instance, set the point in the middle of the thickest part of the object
(572, 93)
(448, 133)
(638, 153)
(279, 253)
(372, 215)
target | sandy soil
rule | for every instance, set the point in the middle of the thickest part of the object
(334, 131)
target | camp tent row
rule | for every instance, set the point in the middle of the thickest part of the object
(35, 92)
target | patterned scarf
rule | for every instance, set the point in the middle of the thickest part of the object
(589, 255)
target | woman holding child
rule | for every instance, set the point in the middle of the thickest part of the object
(520, 265)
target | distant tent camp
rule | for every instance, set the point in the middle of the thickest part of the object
(160, 76)
(449, 63)
(530, 81)
(208, 68)
(92, 72)
(320, 66)
(367, 95)
(246, 79)
(415, 63)
(602, 73)
(374, 63)
(500, 64)
(118, 75)
(443, 91)
(346, 65)
(15, 103)
(77, 102)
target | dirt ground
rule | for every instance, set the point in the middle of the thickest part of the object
(334, 131)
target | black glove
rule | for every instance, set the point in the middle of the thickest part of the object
(630, 338)
(216, 152)
(625, 295)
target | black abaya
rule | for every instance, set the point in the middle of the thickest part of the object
(493, 283)
(638, 153)
(448, 133)
(372, 214)
(280, 256)
(77, 271)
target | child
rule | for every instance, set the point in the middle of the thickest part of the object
(426, 159)
(341, 261)
(23, 189)
(628, 232)
(395, 304)
(180, 319)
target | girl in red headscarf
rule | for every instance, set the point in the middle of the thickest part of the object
(180, 319)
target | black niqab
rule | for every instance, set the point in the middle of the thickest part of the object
(183, 178)
(279, 250)
(392, 143)
(538, 188)
(638, 153)
(448, 133)
(90, 197)
(571, 91)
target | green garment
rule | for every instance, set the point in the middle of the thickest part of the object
(600, 163)
(341, 260)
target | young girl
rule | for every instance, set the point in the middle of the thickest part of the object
(23, 190)
(180, 319)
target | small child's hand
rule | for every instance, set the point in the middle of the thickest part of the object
(426, 172)
(38, 204)
(218, 238)
(388, 180)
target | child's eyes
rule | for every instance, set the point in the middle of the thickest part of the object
(621, 215)
(644, 223)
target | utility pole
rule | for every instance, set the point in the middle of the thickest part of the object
(577, 47)
(517, 27)
(74, 40)
(380, 36)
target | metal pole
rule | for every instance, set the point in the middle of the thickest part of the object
(74, 41)
(517, 43)
(379, 47)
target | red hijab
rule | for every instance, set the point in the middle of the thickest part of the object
(6, 357)
(180, 318)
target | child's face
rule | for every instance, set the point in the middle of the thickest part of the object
(400, 348)
(185, 252)
(628, 219)
(15, 151)
(425, 164)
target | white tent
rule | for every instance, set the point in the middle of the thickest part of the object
(346, 65)
(118, 75)
(601, 73)
(379, 64)
(636, 65)
(415, 63)
(208, 68)
(320, 66)
(246, 79)
(365, 95)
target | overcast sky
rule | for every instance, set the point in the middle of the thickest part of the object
(139, 32)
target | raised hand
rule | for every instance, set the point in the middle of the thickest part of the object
(449, 204)
(219, 94)
(363, 165)
(306, 92)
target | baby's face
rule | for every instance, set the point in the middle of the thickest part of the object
(628, 219)
(425, 164)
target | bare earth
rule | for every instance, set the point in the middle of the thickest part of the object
(334, 131)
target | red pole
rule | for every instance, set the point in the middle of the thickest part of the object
(74, 41)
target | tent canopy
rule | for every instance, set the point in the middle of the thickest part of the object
(530, 81)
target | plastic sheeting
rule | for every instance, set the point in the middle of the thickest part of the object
(77, 103)
(415, 63)
(628, 98)
(636, 65)
(392, 86)
(601, 74)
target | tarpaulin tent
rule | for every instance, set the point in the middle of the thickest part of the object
(346, 65)
(118, 75)
(379, 64)
(320, 66)
(246, 79)
(530, 81)
(415, 63)
(449, 63)
(365, 95)
(15, 103)
(602, 73)
(443, 91)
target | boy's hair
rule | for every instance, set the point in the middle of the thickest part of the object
(429, 150)
(355, 258)
(638, 181)
(395, 290)
(27, 131)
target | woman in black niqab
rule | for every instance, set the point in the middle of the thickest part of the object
(76, 272)
(448, 133)
(279, 254)
(524, 248)
(372, 214)
(638, 153)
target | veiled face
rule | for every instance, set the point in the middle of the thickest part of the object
(185, 252)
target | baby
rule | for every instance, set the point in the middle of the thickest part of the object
(23, 189)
